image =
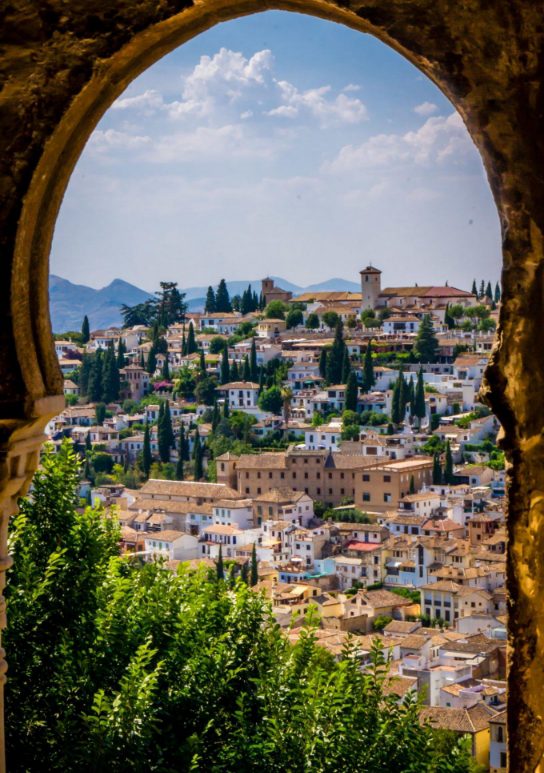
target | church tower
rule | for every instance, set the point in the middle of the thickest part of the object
(371, 287)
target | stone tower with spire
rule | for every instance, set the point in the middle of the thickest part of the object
(371, 287)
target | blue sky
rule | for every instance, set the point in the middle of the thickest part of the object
(283, 144)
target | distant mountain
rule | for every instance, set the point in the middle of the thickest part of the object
(334, 285)
(70, 302)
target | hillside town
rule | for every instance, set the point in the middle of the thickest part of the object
(332, 450)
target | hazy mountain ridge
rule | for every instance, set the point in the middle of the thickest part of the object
(70, 302)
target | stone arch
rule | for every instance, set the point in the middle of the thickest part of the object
(67, 65)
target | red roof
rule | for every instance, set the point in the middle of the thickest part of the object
(364, 547)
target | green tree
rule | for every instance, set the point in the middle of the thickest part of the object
(165, 373)
(335, 358)
(225, 367)
(437, 470)
(352, 390)
(110, 376)
(165, 433)
(234, 373)
(246, 370)
(96, 387)
(198, 457)
(209, 306)
(426, 344)
(222, 298)
(60, 553)
(368, 369)
(419, 406)
(180, 472)
(275, 310)
(217, 344)
(121, 352)
(323, 363)
(489, 291)
(412, 489)
(100, 413)
(191, 340)
(312, 321)
(474, 290)
(346, 366)
(294, 318)
(151, 361)
(219, 566)
(481, 293)
(170, 305)
(202, 363)
(271, 400)
(497, 295)
(254, 568)
(206, 390)
(147, 457)
(330, 318)
(85, 330)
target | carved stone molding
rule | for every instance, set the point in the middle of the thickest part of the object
(62, 65)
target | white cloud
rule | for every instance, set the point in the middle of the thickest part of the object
(351, 87)
(147, 103)
(426, 108)
(317, 103)
(103, 141)
(437, 140)
(205, 142)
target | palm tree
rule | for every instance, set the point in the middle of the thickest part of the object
(286, 396)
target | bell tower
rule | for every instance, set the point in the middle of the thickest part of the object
(371, 287)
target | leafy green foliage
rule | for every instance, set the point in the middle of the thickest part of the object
(119, 666)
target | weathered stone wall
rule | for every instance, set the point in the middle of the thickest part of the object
(63, 62)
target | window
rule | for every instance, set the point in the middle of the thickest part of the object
(387, 478)
(366, 496)
(500, 735)
(318, 476)
(366, 478)
(282, 475)
(503, 760)
(306, 475)
(387, 497)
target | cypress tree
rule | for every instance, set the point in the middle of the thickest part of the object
(489, 291)
(482, 290)
(220, 569)
(183, 344)
(411, 396)
(426, 345)
(261, 379)
(346, 366)
(234, 374)
(336, 355)
(497, 293)
(448, 319)
(246, 372)
(254, 573)
(222, 298)
(253, 361)
(84, 374)
(209, 306)
(395, 404)
(85, 330)
(351, 393)
(191, 340)
(225, 368)
(474, 290)
(165, 432)
(147, 458)
(437, 470)
(181, 453)
(202, 364)
(323, 363)
(419, 409)
(412, 489)
(215, 416)
(110, 376)
(226, 409)
(368, 369)
(166, 369)
(244, 573)
(142, 360)
(121, 351)
(95, 378)
(448, 469)
(197, 456)
(151, 361)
